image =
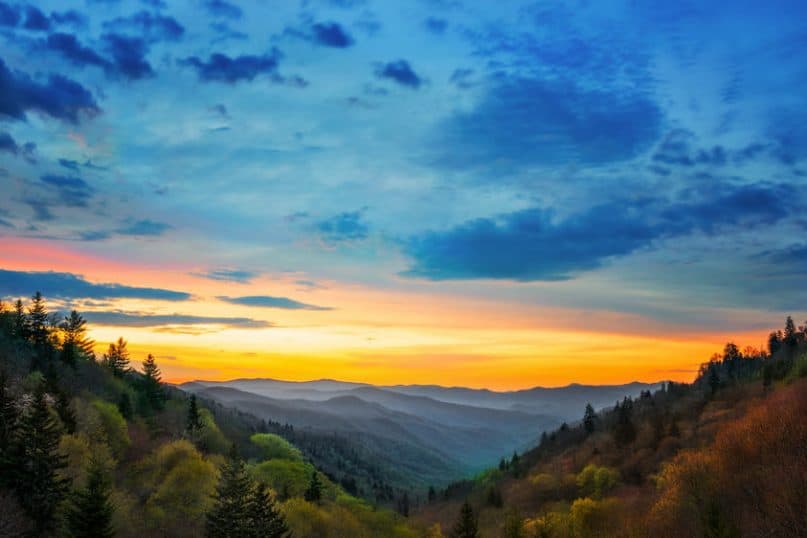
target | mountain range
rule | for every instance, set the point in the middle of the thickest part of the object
(452, 431)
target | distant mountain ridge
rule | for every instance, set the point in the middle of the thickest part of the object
(450, 429)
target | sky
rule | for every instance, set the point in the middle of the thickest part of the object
(490, 194)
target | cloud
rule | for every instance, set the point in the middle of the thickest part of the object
(128, 319)
(222, 8)
(266, 301)
(35, 20)
(9, 145)
(531, 244)
(70, 47)
(346, 226)
(70, 17)
(400, 72)
(59, 98)
(326, 34)
(149, 26)
(792, 259)
(436, 25)
(527, 121)
(228, 275)
(128, 55)
(222, 68)
(72, 191)
(9, 15)
(144, 228)
(71, 286)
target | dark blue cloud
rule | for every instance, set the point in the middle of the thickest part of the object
(36, 20)
(532, 245)
(144, 228)
(789, 260)
(401, 72)
(70, 286)
(331, 34)
(523, 122)
(222, 68)
(436, 25)
(69, 164)
(343, 227)
(128, 55)
(9, 145)
(266, 301)
(222, 8)
(149, 26)
(70, 47)
(128, 319)
(72, 191)
(229, 275)
(9, 15)
(59, 97)
(70, 17)
(226, 32)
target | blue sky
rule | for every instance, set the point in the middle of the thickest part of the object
(637, 157)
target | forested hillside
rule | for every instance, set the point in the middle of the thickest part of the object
(725, 456)
(98, 446)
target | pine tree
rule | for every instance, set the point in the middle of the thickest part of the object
(75, 344)
(589, 418)
(266, 521)
(790, 336)
(432, 494)
(466, 526)
(152, 387)
(38, 485)
(714, 378)
(9, 417)
(625, 431)
(230, 515)
(117, 357)
(38, 325)
(193, 424)
(20, 321)
(314, 491)
(89, 513)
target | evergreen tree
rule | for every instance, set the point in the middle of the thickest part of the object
(494, 497)
(75, 344)
(117, 357)
(152, 387)
(790, 336)
(774, 342)
(714, 378)
(266, 521)
(39, 488)
(193, 424)
(314, 491)
(89, 513)
(624, 431)
(20, 321)
(125, 405)
(589, 418)
(466, 525)
(38, 324)
(230, 515)
(432, 494)
(9, 417)
(513, 524)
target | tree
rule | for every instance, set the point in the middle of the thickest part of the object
(39, 487)
(152, 387)
(266, 521)
(193, 424)
(38, 325)
(466, 525)
(229, 517)
(89, 512)
(624, 431)
(513, 524)
(494, 497)
(314, 491)
(19, 321)
(589, 418)
(774, 342)
(9, 417)
(432, 495)
(714, 378)
(75, 344)
(117, 357)
(790, 335)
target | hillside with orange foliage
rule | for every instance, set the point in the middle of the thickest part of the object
(725, 456)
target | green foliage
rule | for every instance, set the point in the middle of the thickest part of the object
(117, 358)
(151, 387)
(209, 437)
(314, 491)
(37, 463)
(103, 422)
(288, 477)
(275, 447)
(75, 344)
(89, 512)
(595, 481)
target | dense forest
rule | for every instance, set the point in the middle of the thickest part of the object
(97, 446)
